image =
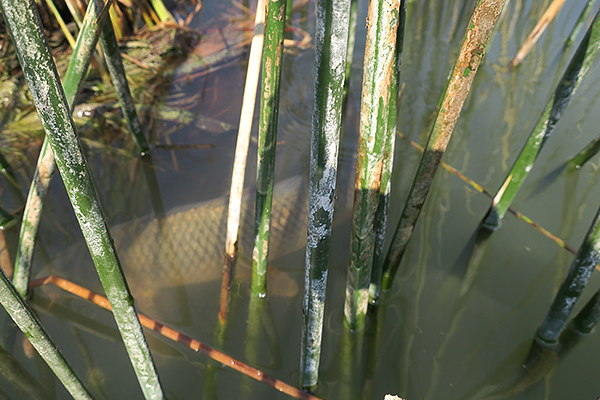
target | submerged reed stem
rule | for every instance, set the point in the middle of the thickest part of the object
(267, 140)
(480, 27)
(234, 210)
(569, 292)
(572, 77)
(331, 42)
(110, 48)
(38, 67)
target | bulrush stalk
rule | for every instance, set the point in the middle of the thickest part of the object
(267, 139)
(569, 292)
(96, 15)
(110, 48)
(388, 164)
(471, 53)
(331, 43)
(234, 211)
(38, 67)
(572, 77)
(382, 25)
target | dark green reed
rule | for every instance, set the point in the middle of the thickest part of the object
(96, 15)
(267, 141)
(558, 102)
(27, 34)
(471, 54)
(331, 41)
(569, 292)
(110, 48)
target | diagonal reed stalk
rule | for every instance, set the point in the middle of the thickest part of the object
(388, 164)
(38, 67)
(569, 292)
(110, 48)
(589, 151)
(331, 42)
(382, 25)
(27, 321)
(572, 77)
(471, 53)
(579, 24)
(267, 138)
(96, 15)
(234, 211)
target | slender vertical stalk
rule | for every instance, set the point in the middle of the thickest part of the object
(234, 211)
(38, 67)
(579, 273)
(331, 41)
(351, 42)
(61, 23)
(572, 77)
(96, 15)
(110, 48)
(480, 27)
(26, 320)
(388, 164)
(382, 25)
(267, 135)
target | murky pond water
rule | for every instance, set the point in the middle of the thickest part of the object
(436, 341)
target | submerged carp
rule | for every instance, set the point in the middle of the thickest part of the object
(187, 246)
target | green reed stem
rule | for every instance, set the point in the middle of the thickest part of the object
(96, 15)
(38, 67)
(388, 164)
(267, 138)
(589, 151)
(382, 25)
(7, 219)
(579, 24)
(577, 278)
(27, 321)
(589, 315)
(572, 77)
(471, 53)
(331, 41)
(110, 48)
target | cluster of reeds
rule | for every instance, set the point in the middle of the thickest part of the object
(371, 271)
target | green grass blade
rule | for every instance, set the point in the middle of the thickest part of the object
(38, 68)
(330, 63)
(576, 70)
(267, 137)
(26, 320)
(382, 25)
(95, 17)
(480, 27)
(114, 61)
